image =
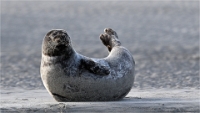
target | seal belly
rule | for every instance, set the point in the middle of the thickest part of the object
(87, 88)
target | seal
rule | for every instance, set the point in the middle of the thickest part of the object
(70, 76)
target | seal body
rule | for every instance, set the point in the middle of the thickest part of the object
(70, 76)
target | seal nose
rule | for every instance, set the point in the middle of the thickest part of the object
(57, 39)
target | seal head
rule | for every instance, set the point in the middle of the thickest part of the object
(57, 43)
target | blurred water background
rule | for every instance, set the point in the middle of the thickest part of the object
(163, 37)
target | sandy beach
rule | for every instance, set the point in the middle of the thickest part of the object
(163, 37)
(137, 101)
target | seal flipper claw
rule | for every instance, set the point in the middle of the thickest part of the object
(94, 67)
(109, 31)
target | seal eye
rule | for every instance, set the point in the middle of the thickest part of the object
(48, 39)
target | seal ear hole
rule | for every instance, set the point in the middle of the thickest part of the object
(66, 42)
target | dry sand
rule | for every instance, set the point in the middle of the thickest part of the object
(162, 36)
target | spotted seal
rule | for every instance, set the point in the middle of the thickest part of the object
(70, 76)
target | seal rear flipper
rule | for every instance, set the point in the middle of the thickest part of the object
(94, 67)
(110, 39)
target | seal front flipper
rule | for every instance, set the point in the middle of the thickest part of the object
(94, 67)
